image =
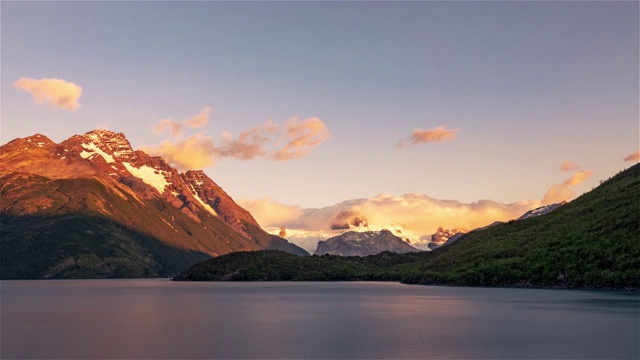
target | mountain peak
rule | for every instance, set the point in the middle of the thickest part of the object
(354, 243)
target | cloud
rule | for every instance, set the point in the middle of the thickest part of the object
(195, 152)
(439, 134)
(564, 191)
(268, 212)
(409, 216)
(176, 128)
(291, 140)
(301, 137)
(569, 166)
(635, 157)
(200, 119)
(249, 144)
(57, 93)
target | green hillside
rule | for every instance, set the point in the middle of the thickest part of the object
(79, 228)
(592, 242)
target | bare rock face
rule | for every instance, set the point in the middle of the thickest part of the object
(98, 178)
(353, 243)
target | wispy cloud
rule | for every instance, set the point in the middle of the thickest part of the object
(249, 144)
(57, 93)
(439, 134)
(569, 166)
(301, 137)
(176, 128)
(293, 139)
(564, 191)
(635, 157)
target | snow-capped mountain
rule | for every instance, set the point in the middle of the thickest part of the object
(353, 243)
(98, 178)
(541, 210)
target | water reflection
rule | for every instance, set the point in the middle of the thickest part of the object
(173, 320)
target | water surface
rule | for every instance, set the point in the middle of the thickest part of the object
(144, 319)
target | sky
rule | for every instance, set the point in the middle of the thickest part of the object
(309, 104)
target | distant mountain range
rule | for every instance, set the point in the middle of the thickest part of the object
(91, 206)
(353, 243)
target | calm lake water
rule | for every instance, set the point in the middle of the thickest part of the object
(159, 319)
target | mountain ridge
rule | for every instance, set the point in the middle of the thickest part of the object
(98, 175)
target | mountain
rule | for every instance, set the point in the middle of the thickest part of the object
(91, 206)
(542, 210)
(592, 242)
(442, 236)
(353, 243)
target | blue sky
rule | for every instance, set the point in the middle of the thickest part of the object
(528, 85)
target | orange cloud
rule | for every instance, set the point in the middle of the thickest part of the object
(439, 134)
(57, 93)
(195, 152)
(301, 137)
(412, 216)
(200, 119)
(176, 128)
(564, 191)
(569, 166)
(635, 157)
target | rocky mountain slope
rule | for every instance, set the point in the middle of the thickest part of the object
(91, 206)
(353, 243)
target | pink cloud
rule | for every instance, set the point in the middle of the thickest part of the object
(635, 157)
(248, 145)
(176, 128)
(301, 137)
(266, 140)
(569, 166)
(439, 134)
(200, 119)
(57, 93)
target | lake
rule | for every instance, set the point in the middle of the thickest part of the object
(161, 319)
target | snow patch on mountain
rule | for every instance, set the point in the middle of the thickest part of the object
(91, 149)
(199, 199)
(149, 175)
(541, 210)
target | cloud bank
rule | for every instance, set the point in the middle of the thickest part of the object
(58, 93)
(439, 134)
(635, 157)
(280, 142)
(412, 216)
